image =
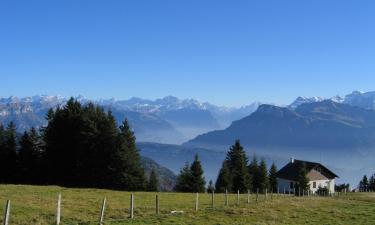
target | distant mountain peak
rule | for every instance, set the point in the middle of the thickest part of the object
(302, 100)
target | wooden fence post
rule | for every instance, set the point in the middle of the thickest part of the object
(257, 194)
(265, 196)
(248, 196)
(226, 198)
(157, 208)
(58, 212)
(131, 206)
(238, 197)
(213, 199)
(7, 213)
(197, 202)
(101, 218)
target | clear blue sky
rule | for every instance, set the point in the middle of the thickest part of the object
(226, 52)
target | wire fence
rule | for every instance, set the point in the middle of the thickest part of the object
(94, 209)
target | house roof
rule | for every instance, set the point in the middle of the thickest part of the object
(290, 171)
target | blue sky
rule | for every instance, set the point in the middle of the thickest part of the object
(224, 52)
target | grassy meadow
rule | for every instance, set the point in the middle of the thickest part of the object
(37, 205)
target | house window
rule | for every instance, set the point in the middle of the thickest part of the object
(314, 184)
(291, 185)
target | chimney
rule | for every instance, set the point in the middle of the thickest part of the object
(292, 160)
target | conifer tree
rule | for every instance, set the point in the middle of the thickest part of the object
(210, 187)
(130, 168)
(302, 179)
(237, 163)
(263, 176)
(273, 178)
(363, 185)
(8, 154)
(153, 182)
(29, 158)
(254, 173)
(224, 180)
(184, 179)
(372, 183)
(198, 182)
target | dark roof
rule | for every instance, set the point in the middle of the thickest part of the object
(290, 171)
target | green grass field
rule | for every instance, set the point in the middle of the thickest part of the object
(37, 205)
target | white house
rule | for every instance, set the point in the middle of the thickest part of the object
(319, 176)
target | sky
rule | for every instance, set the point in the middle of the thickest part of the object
(225, 52)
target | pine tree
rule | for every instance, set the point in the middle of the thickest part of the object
(254, 173)
(364, 183)
(153, 182)
(224, 180)
(273, 178)
(263, 176)
(29, 158)
(210, 187)
(85, 148)
(8, 154)
(372, 183)
(130, 168)
(302, 179)
(237, 163)
(198, 182)
(184, 179)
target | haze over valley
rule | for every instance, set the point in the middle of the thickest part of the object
(171, 130)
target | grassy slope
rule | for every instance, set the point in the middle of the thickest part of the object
(37, 205)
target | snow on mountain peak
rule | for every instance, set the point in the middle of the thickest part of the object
(302, 100)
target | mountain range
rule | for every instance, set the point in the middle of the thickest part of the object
(337, 131)
(166, 120)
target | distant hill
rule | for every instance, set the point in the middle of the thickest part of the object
(324, 124)
(167, 179)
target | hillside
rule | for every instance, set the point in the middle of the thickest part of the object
(37, 205)
(167, 179)
(322, 125)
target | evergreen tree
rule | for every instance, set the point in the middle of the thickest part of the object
(29, 158)
(153, 182)
(302, 183)
(363, 185)
(224, 180)
(63, 138)
(85, 148)
(372, 183)
(273, 178)
(198, 182)
(210, 187)
(131, 172)
(263, 176)
(184, 179)
(254, 173)
(237, 163)
(8, 154)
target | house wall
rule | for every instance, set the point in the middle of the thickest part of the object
(283, 183)
(330, 184)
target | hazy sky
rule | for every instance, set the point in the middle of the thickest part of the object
(225, 52)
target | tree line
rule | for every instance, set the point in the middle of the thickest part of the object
(81, 146)
(236, 174)
(367, 184)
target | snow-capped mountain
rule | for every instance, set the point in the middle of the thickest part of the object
(361, 99)
(302, 100)
(166, 120)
